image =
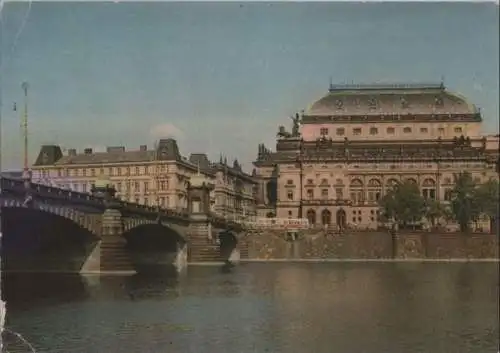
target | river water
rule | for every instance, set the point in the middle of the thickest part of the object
(277, 307)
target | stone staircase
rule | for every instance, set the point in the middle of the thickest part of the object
(200, 248)
(114, 256)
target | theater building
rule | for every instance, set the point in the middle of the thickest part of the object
(350, 146)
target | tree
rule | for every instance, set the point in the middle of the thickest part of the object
(434, 210)
(488, 200)
(404, 204)
(464, 201)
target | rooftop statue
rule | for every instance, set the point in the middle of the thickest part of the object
(296, 125)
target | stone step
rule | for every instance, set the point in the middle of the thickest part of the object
(114, 255)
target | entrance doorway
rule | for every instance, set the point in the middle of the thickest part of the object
(326, 217)
(341, 219)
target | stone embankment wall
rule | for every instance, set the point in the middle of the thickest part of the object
(372, 245)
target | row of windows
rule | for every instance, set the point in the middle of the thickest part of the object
(111, 171)
(124, 171)
(375, 182)
(120, 187)
(360, 195)
(390, 130)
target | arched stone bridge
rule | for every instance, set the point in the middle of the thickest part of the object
(41, 223)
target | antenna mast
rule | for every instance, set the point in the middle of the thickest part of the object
(24, 124)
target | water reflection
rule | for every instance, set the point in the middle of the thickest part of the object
(152, 286)
(296, 308)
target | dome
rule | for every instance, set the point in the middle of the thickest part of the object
(350, 100)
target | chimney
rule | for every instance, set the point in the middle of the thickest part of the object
(71, 152)
(87, 151)
(115, 149)
(143, 148)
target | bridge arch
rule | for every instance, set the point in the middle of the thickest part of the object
(38, 239)
(90, 222)
(152, 246)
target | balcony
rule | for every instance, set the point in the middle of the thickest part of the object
(324, 202)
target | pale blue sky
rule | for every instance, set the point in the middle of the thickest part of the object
(222, 76)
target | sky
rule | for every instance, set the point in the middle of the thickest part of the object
(221, 77)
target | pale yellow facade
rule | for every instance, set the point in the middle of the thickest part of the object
(150, 181)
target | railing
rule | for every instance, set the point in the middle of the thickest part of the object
(330, 202)
(17, 186)
(277, 223)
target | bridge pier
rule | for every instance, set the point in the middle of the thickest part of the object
(110, 254)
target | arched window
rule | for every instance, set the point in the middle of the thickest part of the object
(326, 217)
(374, 190)
(411, 180)
(356, 191)
(429, 189)
(311, 217)
(448, 194)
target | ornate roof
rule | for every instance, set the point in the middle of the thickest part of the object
(343, 151)
(398, 99)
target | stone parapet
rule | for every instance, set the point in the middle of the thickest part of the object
(374, 245)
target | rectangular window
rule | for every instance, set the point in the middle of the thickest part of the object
(323, 131)
(340, 131)
(458, 130)
(310, 194)
(424, 130)
(373, 131)
(356, 131)
(390, 130)
(289, 195)
(340, 193)
(324, 193)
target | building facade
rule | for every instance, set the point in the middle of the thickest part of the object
(353, 144)
(156, 176)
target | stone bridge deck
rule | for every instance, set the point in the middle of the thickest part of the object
(111, 223)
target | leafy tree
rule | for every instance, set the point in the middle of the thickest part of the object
(434, 210)
(404, 204)
(488, 200)
(464, 201)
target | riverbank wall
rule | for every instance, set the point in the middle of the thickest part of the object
(372, 245)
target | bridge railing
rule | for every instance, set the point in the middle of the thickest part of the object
(162, 212)
(17, 186)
